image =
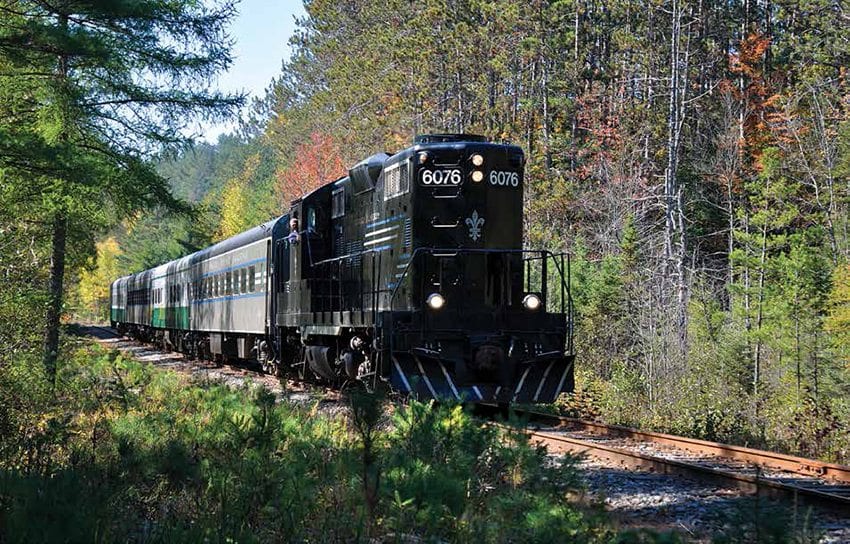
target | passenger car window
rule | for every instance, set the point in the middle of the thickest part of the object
(252, 278)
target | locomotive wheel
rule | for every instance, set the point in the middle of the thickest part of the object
(354, 385)
(270, 367)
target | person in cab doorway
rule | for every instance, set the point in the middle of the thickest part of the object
(294, 237)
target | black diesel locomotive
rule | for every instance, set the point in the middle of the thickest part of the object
(409, 270)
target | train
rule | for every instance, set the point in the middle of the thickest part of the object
(409, 272)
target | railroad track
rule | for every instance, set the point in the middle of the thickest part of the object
(752, 471)
(283, 388)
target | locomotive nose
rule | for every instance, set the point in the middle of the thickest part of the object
(488, 359)
(490, 364)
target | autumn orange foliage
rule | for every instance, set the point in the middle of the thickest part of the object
(316, 162)
(749, 63)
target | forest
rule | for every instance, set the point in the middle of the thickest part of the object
(693, 156)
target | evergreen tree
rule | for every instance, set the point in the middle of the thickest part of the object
(97, 87)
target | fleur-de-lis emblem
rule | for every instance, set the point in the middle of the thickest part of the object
(475, 223)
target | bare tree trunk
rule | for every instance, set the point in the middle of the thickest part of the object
(760, 314)
(54, 308)
(816, 370)
(675, 249)
(681, 249)
(530, 119)
(459, 124)
(797, 339)
(730, 211)
(575, 36)
(491, 101)
(547, 155)
(748, 326)
(742, 85)
(576, 80)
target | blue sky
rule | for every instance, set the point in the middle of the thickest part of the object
(261, 31)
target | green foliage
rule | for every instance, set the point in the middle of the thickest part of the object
(91, 92)
(759, 521)
(123, 451)
(231, 185)
(600, 289)
(838, 320)
(158, 237)
(22, 301)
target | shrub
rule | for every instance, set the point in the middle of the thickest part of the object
(122, 451)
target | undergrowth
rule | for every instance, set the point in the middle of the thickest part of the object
(117, 450)
(121, 451)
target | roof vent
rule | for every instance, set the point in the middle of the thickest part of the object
(446, 138)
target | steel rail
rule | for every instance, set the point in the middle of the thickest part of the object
(761, 485)
(823, 485)
(766, 459)
(226, 368)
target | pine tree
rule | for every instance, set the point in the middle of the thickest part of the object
(97, 88)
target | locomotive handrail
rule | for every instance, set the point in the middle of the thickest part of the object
(569, 296)
(373, 291)
(543, 254)
(344, 257)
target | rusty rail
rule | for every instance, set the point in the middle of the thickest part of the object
(765, 459)
(795, 478)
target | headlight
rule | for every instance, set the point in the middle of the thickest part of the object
(477, 176)
(477, 159)
(531, 302)
(423, 157)
(435, 301)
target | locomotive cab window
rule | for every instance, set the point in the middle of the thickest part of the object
(338, 203)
